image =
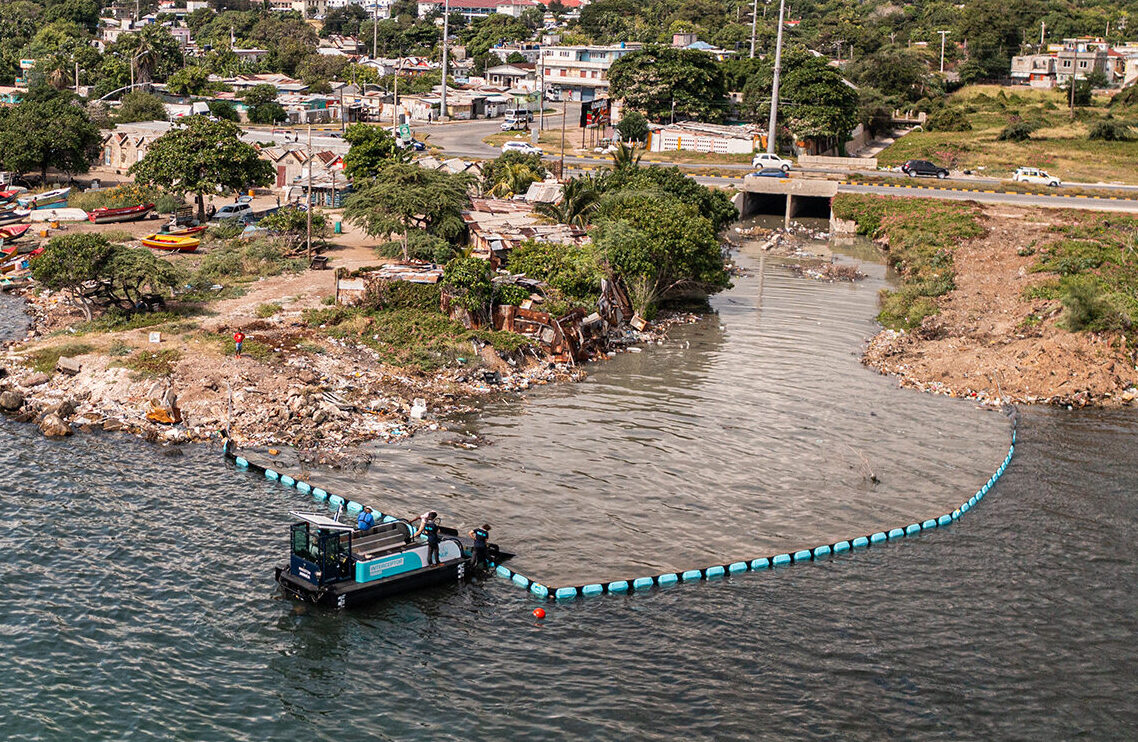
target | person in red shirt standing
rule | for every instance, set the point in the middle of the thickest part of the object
(238, 338)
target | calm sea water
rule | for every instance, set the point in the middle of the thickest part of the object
(139, 602)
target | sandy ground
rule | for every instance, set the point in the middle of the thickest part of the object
(978, 346)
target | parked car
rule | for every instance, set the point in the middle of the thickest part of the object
(1035, 175)
(770, 172)
(768, 159)
(924, 167)
(514, 125)
(231, 211)
(524, 147)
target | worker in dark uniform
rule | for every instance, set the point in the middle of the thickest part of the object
(429, 526)
(480, 536)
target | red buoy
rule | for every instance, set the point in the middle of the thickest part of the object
(539, 613)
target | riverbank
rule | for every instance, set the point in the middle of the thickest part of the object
(173, 377)
(999, 303)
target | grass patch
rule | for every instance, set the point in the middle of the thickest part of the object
(147, 364)
(119, 349)
(45, 359)
(413, 338)
(1058, 143)
(250, 348)
(116, 320)
(264, 311)
(921, 234)
(1095, 259)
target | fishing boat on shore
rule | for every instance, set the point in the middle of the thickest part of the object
(13, 215)
(107, 215)
(10, 194)
(172, 243)
(19, 262)
(57, 198)
(13, 232)
(184, 232)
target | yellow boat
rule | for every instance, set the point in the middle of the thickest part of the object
(171, 242)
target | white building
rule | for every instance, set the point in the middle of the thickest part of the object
(580, 72)
(693, 136)
(472, 9)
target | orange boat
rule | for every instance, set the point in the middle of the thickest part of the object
(174, 243)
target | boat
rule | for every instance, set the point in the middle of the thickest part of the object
(13, 232)
(335, 564)
(20, 262)
(184, 232)
(173, 243)
(46, 199)
(11, 193)
(13, 215)
(11, 284)
(123, 214)
(11, 251)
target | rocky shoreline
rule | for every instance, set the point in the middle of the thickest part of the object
(334, 397)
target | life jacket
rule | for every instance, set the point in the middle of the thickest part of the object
(480, 537)
(432, 531)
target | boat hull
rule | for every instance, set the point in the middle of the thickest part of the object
(350, 594)
(172, 244)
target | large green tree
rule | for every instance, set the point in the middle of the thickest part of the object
(662, 82)
(815, 101)
(200, 157)
(139, 106)
(404, 197)
(50, 133)
(372, 149)
(658, 245)
(68, 262)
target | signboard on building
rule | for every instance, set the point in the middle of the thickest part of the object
(596, 113)
(27, 64)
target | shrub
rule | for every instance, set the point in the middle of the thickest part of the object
(1019, 131)
(1109, 130)
(633, 127)
(510, 294)
(573, 272)
(467, 281)
(147, 364)
(424, 297)
(264, 311)
(1088, 305)
(948, 118)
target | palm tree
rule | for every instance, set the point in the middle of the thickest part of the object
(578, 201)
(626, 157)
(512, 178)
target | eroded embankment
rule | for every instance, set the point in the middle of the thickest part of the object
(999, 303)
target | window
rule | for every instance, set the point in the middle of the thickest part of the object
(1082, 65)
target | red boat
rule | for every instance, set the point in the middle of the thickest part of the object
(6, 196)
(123, 214)
(13, 232)
(184, 232)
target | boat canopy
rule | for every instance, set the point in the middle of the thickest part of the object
(321, 521)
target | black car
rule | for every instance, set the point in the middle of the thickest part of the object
(923, 167)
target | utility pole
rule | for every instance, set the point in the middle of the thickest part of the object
(1042, 33)
(343, 112)
(536, 134)
(446, 35)
(771, 128)
(754, 22)
(1074, 79)
(395, 100)
(374, 28)
(308, 199)
(942, 35)
(77, 78)
(564, 108)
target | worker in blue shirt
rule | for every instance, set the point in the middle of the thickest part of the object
(480, 536)
(366, 520)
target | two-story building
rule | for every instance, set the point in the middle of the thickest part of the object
(474, 9)
(1081, 57)
(579, 72)
(1036, 70)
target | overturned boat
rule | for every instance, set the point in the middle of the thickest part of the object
(333, 563)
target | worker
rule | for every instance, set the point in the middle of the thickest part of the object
(366, 520)
(480, 536)
(238, 338)
(429, 526)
